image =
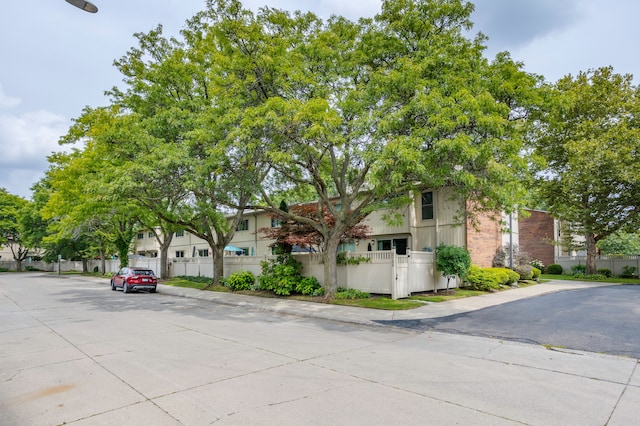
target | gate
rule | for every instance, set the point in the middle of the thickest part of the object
(400, 286)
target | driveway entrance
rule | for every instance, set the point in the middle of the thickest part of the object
(601, 319)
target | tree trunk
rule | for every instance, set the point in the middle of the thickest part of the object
(164, 262)
(329, 257)
(592, 253)
(218, 264)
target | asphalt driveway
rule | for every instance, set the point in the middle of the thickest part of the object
(602, 319)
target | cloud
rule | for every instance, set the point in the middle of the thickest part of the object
(25, 141)
(510, 23)
(6, 101)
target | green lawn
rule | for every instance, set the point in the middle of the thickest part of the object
(373, 302)
(614, 280)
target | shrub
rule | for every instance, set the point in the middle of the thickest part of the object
(578, 269)
(537, 264)
(484, 279)
(525, 272)
(508, 276)
(309, 286)
(351, 293)
(452, 261)
(554, 269)
(241, 280)
(343, 259)
(536, 273)
(282, 276)
(628, 272)
(596, 277)
(604, 271)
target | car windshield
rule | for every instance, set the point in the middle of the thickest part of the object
(143, 272)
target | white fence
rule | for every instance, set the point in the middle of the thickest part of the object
(384, 273)
(616, 264)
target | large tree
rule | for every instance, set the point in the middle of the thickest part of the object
(12, 209)
(589, 138)
(365, 113)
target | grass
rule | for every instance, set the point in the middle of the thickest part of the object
(443, 295)
(614, 280)
(374, 302)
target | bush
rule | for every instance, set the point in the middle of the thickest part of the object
(241, 280)
(604, 271)
(628, 272)
(537, 264)
(452, 261)
(309, 286)
(282, 276)
(484, 279)
(525, 272)
(554, 269)
(536, 273)
(578, 269)
(508, 276)
(351, 293)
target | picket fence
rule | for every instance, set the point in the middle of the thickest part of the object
(385, 272)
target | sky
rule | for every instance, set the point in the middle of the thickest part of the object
(56, 59)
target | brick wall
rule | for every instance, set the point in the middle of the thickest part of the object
(483, 240)
(536, 231)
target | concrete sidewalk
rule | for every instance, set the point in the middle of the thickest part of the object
(366, 316)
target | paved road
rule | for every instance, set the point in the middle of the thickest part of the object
(601, 319)
(74, 352)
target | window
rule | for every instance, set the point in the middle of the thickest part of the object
(243, 225)
(346, 247)
(180, 253)
(203, 253)
(384, 244)
(427, 205)
(140, 235)
(151, 234)
(276, 223)
(180, 233)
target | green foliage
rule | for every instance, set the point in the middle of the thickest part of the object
(554, 269)
(536, 273)
(628, 272)
(485, 279)
(309, 286)
(620, 243)
(241, 280)
(605, 271)
(351, 293)
(511, 276)
(452, 261)
(537, 264)
(578, 269)
(195, 279)
(589, 277)
(587, 136)
(525, 272)
(280, 275)
(344, 259)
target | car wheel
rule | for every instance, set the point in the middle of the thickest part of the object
(153, 290)
(125, 287)
(113, 287)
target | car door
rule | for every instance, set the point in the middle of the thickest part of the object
(118, 278)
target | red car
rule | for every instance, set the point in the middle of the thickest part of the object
(129, 279)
